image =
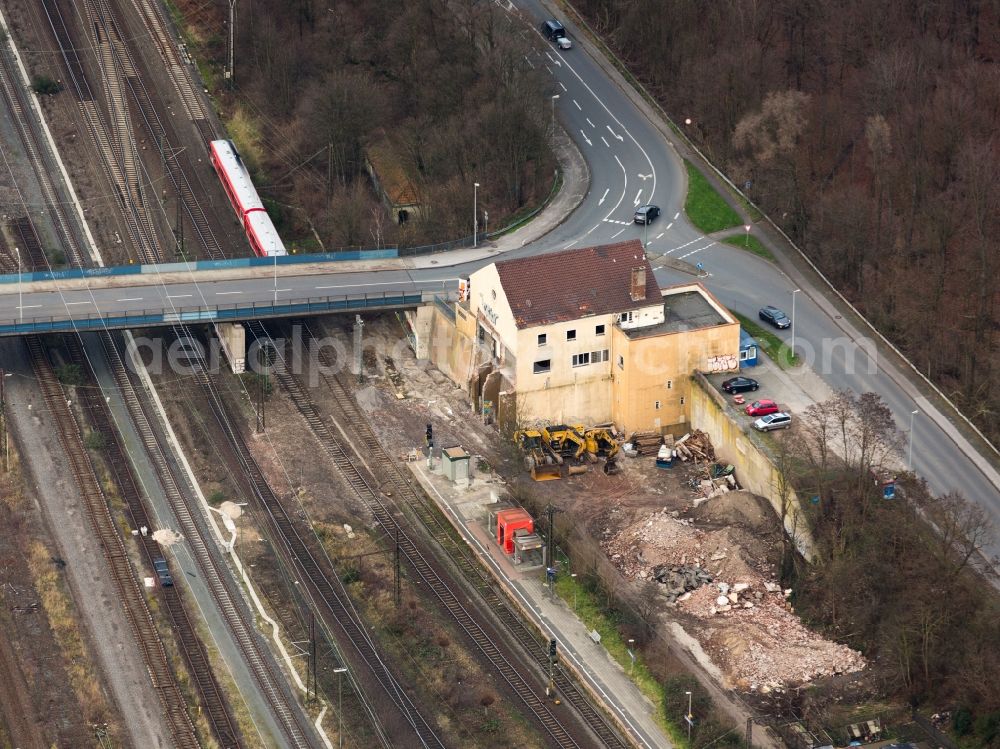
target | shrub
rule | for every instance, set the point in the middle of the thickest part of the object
(45, 86)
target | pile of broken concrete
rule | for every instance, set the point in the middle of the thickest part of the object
(678, 579)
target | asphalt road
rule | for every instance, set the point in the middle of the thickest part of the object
(630, 163)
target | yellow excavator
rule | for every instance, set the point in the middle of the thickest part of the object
(539, 459)
(601, 443)
(566, 441)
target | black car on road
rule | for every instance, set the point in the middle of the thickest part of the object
(644, 214)
(739, 385)
(775, 316)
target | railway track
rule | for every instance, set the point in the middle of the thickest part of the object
(131, 595)
(211, 698)
(428, 574)
(388, 473)
(327, 593)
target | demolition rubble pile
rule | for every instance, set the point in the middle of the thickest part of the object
(745, 620)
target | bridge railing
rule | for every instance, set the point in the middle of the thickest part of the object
(214, 312)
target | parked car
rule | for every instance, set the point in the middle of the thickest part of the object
(645, 214)
(775, 316)
(739, 384)
(163, 572)
(762, 408)
(555, 32)
(773, 421)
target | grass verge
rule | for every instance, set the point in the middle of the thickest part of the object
(750, 243)
(773, 346)
(704, 206)
(589, 610)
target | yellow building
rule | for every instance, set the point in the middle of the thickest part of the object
(587, 336)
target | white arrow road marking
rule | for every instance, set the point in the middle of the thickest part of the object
(644, 177)
(554, 61)
(590, 123)
(586, 138)
(604, 196)
(615, 134)
(577, 105)
(605, 142)
(637, 196)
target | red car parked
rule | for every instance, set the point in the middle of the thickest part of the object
(762, 408)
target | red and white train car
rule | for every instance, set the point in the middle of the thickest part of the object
(236, 179)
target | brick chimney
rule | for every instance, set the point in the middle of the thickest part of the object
(638, 284)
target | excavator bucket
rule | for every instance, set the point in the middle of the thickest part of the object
(546, 472)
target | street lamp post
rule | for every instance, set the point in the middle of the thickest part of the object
(747, 227)
(631, 654)
(554, 97)
(689, 717)
(796, 291)
(573, 575)
(909, 451)
(340, 706)
(475, 213)
(20, 296)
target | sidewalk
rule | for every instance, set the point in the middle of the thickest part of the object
(466, 508)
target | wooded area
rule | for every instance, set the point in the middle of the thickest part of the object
(911, 599)
(439, 87)
(867, 130)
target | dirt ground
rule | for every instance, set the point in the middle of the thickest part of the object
(643, 517)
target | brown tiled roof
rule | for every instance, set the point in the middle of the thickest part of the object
(567, 285)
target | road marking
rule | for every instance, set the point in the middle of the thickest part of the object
(374, 283)
(529, 62)
(604, 196)
(661, 233)
(28, 306)
(605, 142)
(130, 299)
(563, 87)
(179, 296)
(577, 105)
(550, 71)
(590, 123)
(586, 138)
(677, 215)
(69, 303)
(644, 177)
(686, 244)
(224, 293)
(668, 227)
(278, 291)
(592, 228)
(616, 135)
(571, 244)
(637, 196)
(618, 232)
(689, 254)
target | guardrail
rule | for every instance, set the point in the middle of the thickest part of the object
(147, 318)
(64, 274)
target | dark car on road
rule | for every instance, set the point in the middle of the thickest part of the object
(555, 32)
(739, 385)
(775, 316)
(645, 214)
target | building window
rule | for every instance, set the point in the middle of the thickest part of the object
(621, 362)
(599, 330)
(670, 384)
(543, 338)
(597, 357)
(682, 400)
(543, 366)
(626, 317)
(581, 360)
(571, 335)
(744, 355)
(656, 405)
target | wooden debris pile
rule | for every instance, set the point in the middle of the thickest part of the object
(695, 446)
